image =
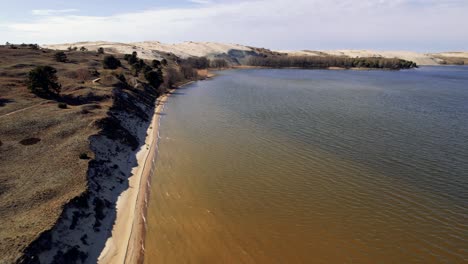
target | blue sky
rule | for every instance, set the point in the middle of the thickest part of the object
(419, 25)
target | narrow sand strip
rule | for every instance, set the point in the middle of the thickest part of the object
(126, 243)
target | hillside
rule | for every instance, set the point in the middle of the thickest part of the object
(65, 159)
(238, 54)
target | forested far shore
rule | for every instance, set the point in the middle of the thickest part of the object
(324, 62)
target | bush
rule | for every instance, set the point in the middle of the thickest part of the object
(164, 62)
(84, 156)
(100, 50)
(62, 105)
(83, 49)
(121, 77)
(172, 77)
(131, 58)
(33, 46)
(154, 78)
(43, 80)
(155, 64)
(110, 62)
(60, 56)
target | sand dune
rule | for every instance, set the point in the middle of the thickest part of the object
(154, 49)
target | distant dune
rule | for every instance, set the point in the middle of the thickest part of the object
(419, 58)
(155, 50)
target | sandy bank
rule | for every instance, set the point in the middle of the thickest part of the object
(126, 245)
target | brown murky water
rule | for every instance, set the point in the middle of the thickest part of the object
(294, 166)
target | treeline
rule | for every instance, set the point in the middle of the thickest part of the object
(323, 62)
(203, 63)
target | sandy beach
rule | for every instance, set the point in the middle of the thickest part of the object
(127, 240)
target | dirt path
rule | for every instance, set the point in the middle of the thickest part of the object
(23, 109)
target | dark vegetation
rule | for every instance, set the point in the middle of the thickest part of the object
(323, 62)
(218, 63)
(62, 105)
(154, 78)
(42, 80)
(60, 56)
(111, 62)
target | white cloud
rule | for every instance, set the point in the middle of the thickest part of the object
(49, 12)
(281, 24)
(202, 2)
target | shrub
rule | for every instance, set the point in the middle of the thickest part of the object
(62, 105)
(133, 58)
(83, 49)
(146, 69)
(140, 65)
(43, 80)
(100, 50)
(34, 46)
(84, 156)
(60, 56)
(110, 62)
(164, 62)
(154, 78)
(155, 64)
(172, 77)
(121, 77)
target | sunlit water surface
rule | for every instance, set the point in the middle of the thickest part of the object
(312, 166)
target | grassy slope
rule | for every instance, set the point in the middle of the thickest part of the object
(37, 180)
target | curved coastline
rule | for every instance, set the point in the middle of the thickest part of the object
(126, 245)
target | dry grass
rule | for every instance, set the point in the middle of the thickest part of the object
(40, 168)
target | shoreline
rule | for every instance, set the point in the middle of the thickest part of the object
(126, 245)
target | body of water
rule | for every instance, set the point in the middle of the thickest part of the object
(313, 166)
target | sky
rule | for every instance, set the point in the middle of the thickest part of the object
(417, 25)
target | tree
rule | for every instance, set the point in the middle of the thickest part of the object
(42, 80)
(154, 78)
(218, 63)
(60, 56)
(83, 49)
(100, 50)
(110, 62)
